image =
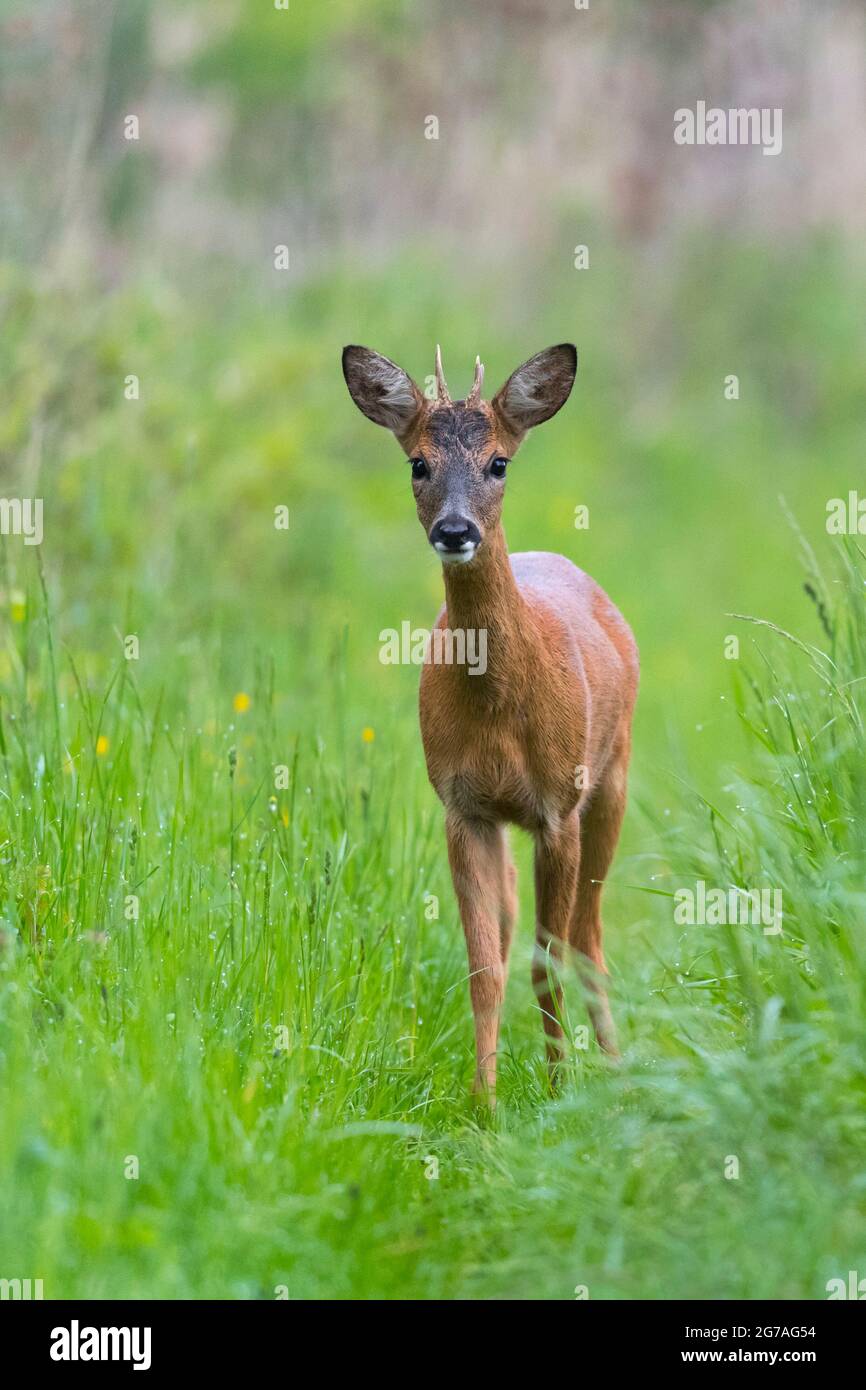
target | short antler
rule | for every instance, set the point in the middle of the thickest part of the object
(442, 395)
(475, 394)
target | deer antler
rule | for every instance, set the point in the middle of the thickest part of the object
(475, 394)
(442, 395)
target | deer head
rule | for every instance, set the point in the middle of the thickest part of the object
(459, 451)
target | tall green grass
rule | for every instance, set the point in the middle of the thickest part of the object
(240, 991)
(234, 1050)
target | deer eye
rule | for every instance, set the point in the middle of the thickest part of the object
(419, 469)
(498, 467)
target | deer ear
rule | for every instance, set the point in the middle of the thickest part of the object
(537, 389)
(380, 389)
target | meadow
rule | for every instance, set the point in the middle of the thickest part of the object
(235, 1035)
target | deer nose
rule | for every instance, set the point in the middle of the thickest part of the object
(454, 533)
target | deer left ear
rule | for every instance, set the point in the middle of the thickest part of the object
(381, 390)
(538, 389)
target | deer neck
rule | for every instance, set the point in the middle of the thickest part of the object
(483, 597)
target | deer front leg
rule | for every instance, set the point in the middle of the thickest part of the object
(475, 856)
(557, 863)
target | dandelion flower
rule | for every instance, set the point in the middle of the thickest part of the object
(241, 702)
(101, 746)
(368, 734)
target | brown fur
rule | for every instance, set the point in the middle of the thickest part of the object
(557, 696)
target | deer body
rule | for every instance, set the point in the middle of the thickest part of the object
(540, 739)
(509, 744)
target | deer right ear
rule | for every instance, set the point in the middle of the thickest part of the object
(538, 389)
(381, 390)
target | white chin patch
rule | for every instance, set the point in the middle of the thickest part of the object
(456, 557)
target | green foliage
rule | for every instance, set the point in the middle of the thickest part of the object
(281, 1036)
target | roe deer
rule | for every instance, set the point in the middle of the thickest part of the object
(541, 738)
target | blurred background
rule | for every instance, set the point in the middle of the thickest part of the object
(307, 128)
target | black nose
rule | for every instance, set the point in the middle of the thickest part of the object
(453, 532)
